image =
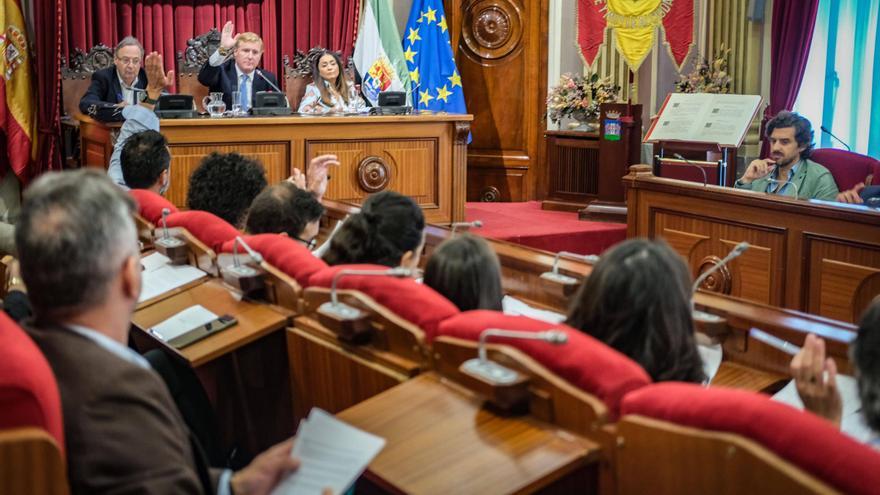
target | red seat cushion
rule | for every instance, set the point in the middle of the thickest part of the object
(803, 439)
(206, 227)
(848, 168)
(28, 390)
(285, 254)
(412, 301)
(583, 361)
(150, 205)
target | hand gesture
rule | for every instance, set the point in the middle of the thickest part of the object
(318, 174)
(297, 178)
(157, 79)
(758, 169)
(227, 40)
(851, 195)
(816, 380)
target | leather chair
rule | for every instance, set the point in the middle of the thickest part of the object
(298, 75)
(847, 168)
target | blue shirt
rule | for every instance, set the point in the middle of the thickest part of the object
(780, 188)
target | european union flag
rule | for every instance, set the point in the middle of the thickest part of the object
(434, 79)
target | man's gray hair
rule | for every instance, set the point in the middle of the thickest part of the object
(74, 233)
(128, 41)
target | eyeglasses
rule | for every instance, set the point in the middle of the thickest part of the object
(129, 61)
(309, 244)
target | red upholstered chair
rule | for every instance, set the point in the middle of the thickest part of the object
(412, 301)
(848, 168)
(208, 228)
(583, 361)
(150, 205)
(28, 390)
(284, 253)
(683, 438)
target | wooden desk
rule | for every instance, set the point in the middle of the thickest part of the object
(815, 257)
(254, 320)
(441, 440)
(421, 156)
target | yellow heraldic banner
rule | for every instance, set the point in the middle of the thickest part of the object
(635, 23)
(18, 108)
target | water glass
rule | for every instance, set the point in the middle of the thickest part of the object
(236, 103)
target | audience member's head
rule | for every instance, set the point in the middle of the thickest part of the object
(285, 209)
(389, 230)
(637, 300)
(78, 245)
(466, 271)
(146, 162)
(225, 185)
(790, 136)
(866, 358)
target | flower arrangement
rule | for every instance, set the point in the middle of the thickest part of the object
(580, 97)
(707, 77)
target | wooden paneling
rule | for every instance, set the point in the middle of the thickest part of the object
(501, 53)
(31, 462)
(813, 256)
(496, 184)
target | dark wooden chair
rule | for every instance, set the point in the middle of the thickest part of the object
(75, 79)
(190, 62)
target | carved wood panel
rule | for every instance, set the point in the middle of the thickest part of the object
(501, 55)
(755, 275)
(843, 277)
(185, 158)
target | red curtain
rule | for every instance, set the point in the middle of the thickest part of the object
(165, 25)
(47, 67)
(792, 33)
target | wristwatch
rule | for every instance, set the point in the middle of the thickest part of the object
(224, 51)
(149, 101)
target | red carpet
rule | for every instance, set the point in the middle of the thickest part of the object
(529, 225)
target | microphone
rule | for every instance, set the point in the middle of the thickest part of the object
(237, 267)
(554, 276)
(270, 83)
(797, 190)
(343, 311)
(826, 131)
(245, 278)
(172, 247)
(692, 164)
(475, 223)
(734, 253)
(495, 374)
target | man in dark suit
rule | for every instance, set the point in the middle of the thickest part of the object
(126, 83)
(233, 67)
(80, 262)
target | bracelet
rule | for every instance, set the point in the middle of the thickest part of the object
(223, 51)
(149, 101)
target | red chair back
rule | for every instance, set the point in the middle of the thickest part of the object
(150, 205)
(212, 230)
(847, 168)
(285, 254)
(28, 390)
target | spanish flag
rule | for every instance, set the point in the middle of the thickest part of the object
(18, 109)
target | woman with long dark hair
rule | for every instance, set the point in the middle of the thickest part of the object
(331, 90)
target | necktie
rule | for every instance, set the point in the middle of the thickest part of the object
(244, 87)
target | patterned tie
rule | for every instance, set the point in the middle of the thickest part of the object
(244, 87)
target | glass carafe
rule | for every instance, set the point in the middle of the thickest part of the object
(214, 104)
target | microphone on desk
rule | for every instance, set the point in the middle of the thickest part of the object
(173, 248)
(343, 311)
(797, 190)
(826, 131)
(692, 164)
(270, 83)
(554, 276)
(237, 267)
(474, 224)
(245, 278)
(493, 373)
(733, 254)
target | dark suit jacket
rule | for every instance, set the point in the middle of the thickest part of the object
(105, 92)
(123, 432)
(224, 79)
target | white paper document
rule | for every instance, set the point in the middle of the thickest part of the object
(159, 276)
(852, 422)
(711, 356)
(188, 319)
(704, 117)
(332, 455)
(513, 306)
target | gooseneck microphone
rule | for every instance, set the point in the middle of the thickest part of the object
(494, 373)
(734, 253)
(270, 83)
(475, 224)
(826, 131)
(692, 164)
(781, 183)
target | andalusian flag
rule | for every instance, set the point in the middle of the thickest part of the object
(18, 109)
(377, 54)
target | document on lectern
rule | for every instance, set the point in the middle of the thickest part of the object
(704, 117)
(332, 455)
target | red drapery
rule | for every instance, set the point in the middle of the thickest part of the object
(792, 33)
(165, 25)
(47, 67)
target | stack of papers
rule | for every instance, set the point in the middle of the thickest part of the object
(160, 276)
(332, 455)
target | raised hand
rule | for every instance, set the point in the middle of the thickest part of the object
(851, 195)
(297, 178)
(227, 40)
(318, 174)
(816, 380)
(157, 78)
(758, 169)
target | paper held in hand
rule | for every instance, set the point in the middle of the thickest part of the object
(332, 455)
(707, 118)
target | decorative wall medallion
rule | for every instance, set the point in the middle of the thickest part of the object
(490, 194)
(720, 281)
(492, 29)
(373, 174)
